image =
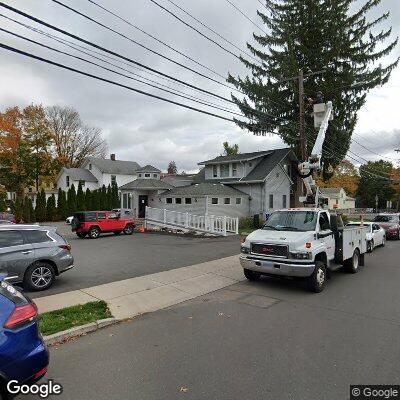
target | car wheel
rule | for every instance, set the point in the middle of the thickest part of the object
(128, 230)
(353, 265)
(94, 232)
(370, 246)
(251, 275)
(81, 235)
(317, 281)
(39, 276)
(384, 241)
(117, 233)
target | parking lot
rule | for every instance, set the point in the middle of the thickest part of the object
(110, 258)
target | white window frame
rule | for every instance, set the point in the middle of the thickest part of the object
(176, 198)
(67, 181)
(234, 169)
(115, 179)
(147, 175)
(229, 201)
(215, 171)
(238, 203)
(221, 169)
(186, 200)
(212, 201)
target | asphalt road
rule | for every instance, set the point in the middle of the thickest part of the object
(264, 340)
(112, 258)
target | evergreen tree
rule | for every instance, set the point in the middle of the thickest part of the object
(109, 198)
(3, 205)
(51, 208)
(80, 199)
(88, 200)
(230, 150)
(96, 200)
(40, 210)
(18, 208)
(172, 168)
(62, 204)
(28, 213)
(115, 197)
(313, 35)
(103, 198)
(71, 200)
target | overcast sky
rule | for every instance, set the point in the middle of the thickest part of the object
(146, 130)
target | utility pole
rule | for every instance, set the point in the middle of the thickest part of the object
(303, 141)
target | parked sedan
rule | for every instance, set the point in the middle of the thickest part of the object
(23, 355)
(33, 254)
(390, 223)
(376, 235)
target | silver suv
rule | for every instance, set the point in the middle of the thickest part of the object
(33, 255)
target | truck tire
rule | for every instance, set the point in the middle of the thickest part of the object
(251, 275)
(317, 281)
(353, 264)
(94, 232)
(128, 230)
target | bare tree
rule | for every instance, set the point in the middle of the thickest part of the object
(73, 140)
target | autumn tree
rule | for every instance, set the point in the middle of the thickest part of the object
(74, 141)
(395, 176)
(3, 205)
(172, 168)
(230, 150)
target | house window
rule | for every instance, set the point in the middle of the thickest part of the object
(271, 201)
(113, 180)
(147, 175)
(154, 175)
(337, 201)
(140, 175)
(215, 171)
(227, 200)
(126, 200)
(169, 200)
(234, 169)
(178, 200)
(67, 181)
(224, 170)
(188, 200)
(250, 164)
(238, 200)
(90, 167)
(214, 200)
(284, 205)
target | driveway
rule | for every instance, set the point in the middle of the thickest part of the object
(254, 340)
(112, 258)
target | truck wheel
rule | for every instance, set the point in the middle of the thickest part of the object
(317, 281)
(251, 275)
(353, 265)
(128, 230)
(39, 276)
(94, 232)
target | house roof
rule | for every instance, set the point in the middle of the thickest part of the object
(270, 159)
(80, 174)
(148, 168)
(205, 189)
(236, 157)
(146, 184)
(117, 167)
(331, 190)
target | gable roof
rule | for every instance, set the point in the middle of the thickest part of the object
(116, 167)
(148, 168)
(146, 184)
(236, 157)
(205, 189)
(80, 174)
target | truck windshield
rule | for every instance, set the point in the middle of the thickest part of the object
(292, 221)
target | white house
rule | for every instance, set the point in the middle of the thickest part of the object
(97, 172)
(338, 199)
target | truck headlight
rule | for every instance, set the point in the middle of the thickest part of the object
(245, 250)
(300, 255)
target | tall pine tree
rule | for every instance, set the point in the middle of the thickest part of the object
(80, 199)
(71, 200)
(51, 208)
(88, 200)
(313, 35)
(40, 209)
(62, 204)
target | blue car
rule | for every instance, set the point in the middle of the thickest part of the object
(23, 355)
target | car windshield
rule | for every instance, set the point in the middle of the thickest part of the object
(292, 221)
(386, 218)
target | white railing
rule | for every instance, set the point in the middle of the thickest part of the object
(203, 223)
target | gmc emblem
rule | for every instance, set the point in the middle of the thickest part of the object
(267, 250)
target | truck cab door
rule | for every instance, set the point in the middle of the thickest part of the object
(325, 234)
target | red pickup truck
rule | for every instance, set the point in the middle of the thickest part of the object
(93, 223)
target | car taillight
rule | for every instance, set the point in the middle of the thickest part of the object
(41, 372)
(21, 315)
(65, 247)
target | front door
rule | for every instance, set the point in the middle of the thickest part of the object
(326, 235)
(143, 201)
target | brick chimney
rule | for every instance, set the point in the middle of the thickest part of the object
(112, 157)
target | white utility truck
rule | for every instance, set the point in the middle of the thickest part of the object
(305, 242)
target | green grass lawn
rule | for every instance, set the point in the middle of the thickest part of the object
(70, 317)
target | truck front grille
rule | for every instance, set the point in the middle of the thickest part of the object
(270, 250)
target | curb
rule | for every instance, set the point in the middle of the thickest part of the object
(63, 336)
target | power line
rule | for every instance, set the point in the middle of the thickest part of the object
(76, 37)
(15, 50)
(126, 76)
(213, 30)
(140, 44)
(245, 15)
(155, 38)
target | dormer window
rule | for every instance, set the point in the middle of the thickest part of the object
(215, 171)
(224, 170)
(155, 176)
(147, 175)
(140, 175)
(250, 164)
(234, 169)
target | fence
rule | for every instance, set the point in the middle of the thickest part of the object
(202, 223)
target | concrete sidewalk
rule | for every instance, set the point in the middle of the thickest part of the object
(131, 297)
